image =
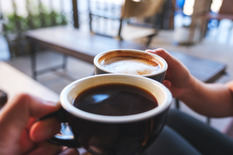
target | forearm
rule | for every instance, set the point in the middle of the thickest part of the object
(214, 100)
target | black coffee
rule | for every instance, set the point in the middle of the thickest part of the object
(115, 100)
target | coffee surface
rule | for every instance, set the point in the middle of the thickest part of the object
(115, 100)
(130, 65)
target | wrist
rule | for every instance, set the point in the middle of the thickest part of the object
(189, 90)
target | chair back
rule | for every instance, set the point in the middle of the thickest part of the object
(141, 8)
(128, 20)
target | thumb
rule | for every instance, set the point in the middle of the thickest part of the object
(164, 54)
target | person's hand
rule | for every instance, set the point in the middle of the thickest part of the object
(22, 133)
(213, 100)
(178, 78)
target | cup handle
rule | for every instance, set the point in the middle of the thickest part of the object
(65, 137)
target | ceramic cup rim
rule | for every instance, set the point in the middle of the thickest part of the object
(66, 97)
(157, 57)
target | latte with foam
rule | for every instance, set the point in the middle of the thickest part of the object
(129, 61)
(130, 65)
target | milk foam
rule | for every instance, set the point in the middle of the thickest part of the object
(129, 66)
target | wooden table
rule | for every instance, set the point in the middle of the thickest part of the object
(13, 82)
(205, 70)
(73, 42)
(85, 46)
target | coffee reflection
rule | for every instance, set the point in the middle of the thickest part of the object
(115, 100)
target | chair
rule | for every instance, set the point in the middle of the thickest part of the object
(225, 12)
(114, 20)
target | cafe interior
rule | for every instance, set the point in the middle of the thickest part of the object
(50, 43)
